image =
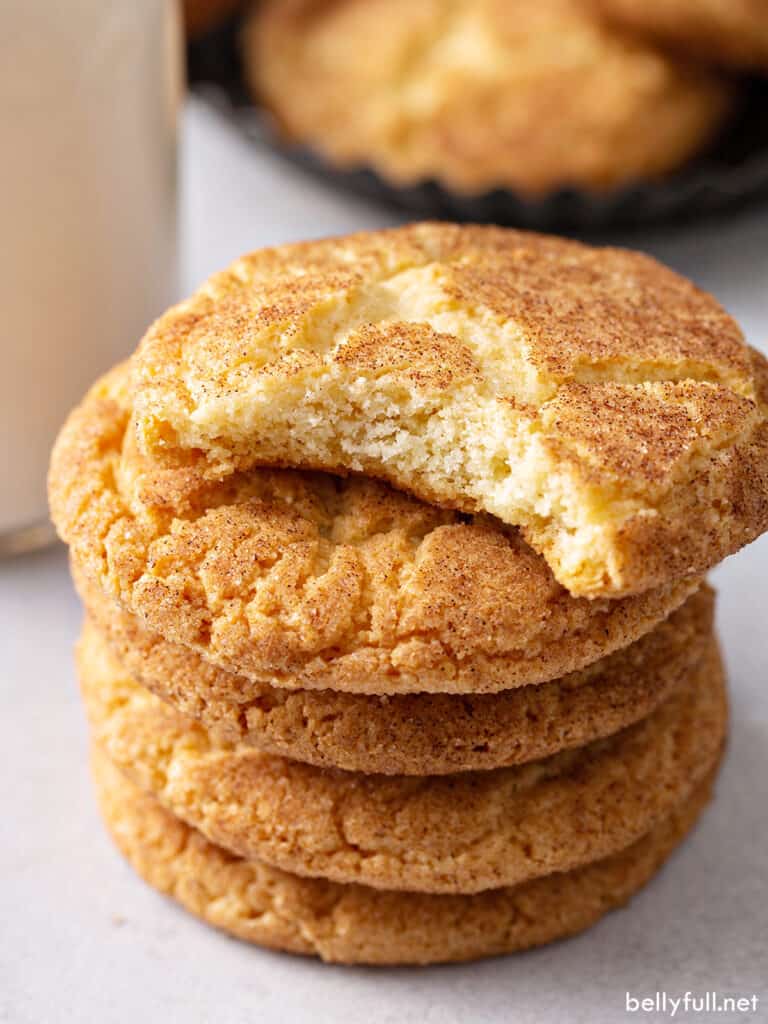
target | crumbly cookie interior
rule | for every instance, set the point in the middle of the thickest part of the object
(402, 375)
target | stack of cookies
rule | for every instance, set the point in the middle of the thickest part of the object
(397, 646)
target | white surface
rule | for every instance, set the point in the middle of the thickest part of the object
(83, 940)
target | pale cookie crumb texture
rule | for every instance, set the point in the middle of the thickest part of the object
(590, 396)
(410, 734)
(479, 94)
(354, 924)
(733, 33)
(458, 833)
(307, 581)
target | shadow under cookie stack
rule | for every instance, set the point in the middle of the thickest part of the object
(335, 718)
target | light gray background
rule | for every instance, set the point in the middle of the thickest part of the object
(82, 939)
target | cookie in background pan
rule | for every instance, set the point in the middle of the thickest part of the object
(479, 94)
(733, 33)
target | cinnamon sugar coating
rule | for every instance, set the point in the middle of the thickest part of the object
(591, 397)
(459, 833)
(307, 581)
(412, 734)
(357, 924)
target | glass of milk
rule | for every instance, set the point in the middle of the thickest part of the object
(89, 94)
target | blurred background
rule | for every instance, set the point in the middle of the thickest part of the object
(145, 146)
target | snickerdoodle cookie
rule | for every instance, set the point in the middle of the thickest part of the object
(478, 93)
(459, 833)
(310, 581)
(357, 924)
(410, 734)
(730, 32)
(590, 396)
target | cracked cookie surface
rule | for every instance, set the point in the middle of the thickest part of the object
(453, 833)
(413, 734)
(357, 924)
(591, 397)
(308, 581)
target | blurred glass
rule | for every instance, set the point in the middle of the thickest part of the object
(89, 96)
